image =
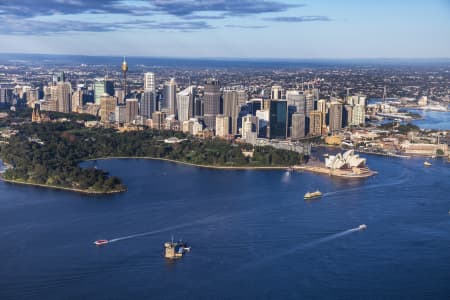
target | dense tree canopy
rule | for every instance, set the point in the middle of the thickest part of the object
(50, 153)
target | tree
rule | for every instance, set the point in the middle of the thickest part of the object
(439, 152)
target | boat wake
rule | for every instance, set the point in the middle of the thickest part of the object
(406, 176)
(127, 237)
(207, 220)
(301, 247)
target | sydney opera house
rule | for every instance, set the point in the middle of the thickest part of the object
(348, 160)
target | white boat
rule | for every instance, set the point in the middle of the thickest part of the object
(362, 227)
(101, 242)
(311, 195)
(427, 164)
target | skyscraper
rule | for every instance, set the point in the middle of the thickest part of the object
(99, 90)
(358, 116)
(132, 110)
(119, 93)
(211, 102)
(231, 108)
(276, 92)
(249, 128)
(107, 108)
(309, 103)
(102, 86)
(170, 98)
(109, 86)
(322, 106)
(77, 100)
(222, 125)
(58, 77)
(297, 99)
(242, 97)
(32, 96)
(64, 95)
(278, 119)
(315, 123)
(263, 122)
(51, 102)
(148, 104)
(347, 115)
(298, 126)
(185, 104)
(120, 114)
(198, 105)
(5, 96)
(335, 115)
(158, 119)
(149, 82)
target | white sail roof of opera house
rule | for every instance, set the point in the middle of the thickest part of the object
(347, 160)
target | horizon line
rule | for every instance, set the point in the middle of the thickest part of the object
(231, 58)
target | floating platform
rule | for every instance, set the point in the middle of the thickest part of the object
(175, 250)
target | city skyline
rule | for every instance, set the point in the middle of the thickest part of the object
(228, 29)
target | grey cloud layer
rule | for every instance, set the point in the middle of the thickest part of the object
(16, 15)
(29, 8)
(299, 19)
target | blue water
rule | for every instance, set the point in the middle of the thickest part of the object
(251, 232)
(433, 119)
(270, 63)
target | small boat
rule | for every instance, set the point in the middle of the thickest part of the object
(101, 242)
(427, 164)
(362, 227)
(312, 195)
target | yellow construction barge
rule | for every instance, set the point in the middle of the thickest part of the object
(175, 250)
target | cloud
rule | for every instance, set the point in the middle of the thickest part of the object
(25, 27)
(230, 7)
(32, 8)
(47, 16)
(182, 26)
(299, 19)
(246, 26)
(203, 17)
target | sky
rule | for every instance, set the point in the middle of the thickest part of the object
(282, 29)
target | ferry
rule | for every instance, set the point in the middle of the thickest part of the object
(101, 242)
(312, 195)
(362, 227)
(427, 164)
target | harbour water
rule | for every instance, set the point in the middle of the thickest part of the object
(432, 119)
(2, 167)
(251, 232)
